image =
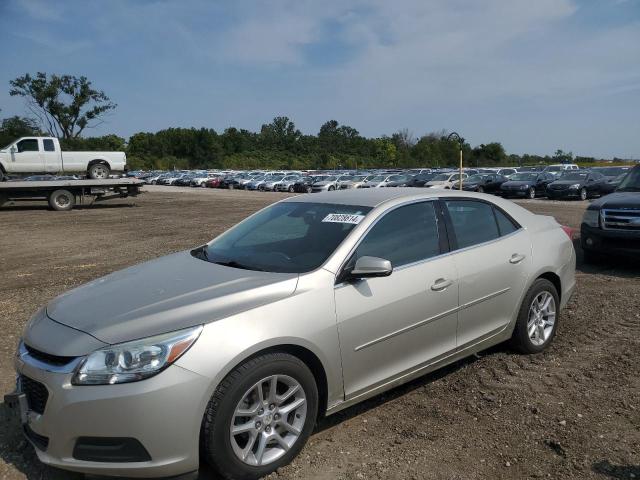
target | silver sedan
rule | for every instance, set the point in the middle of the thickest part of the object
(234, 349)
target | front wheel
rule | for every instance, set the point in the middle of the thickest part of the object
(260, 416)
(99, 171)
(331, 188)
(480, 189)
(309, 189)
(537, 319)
(583, 194)
(291, 189)
(532, 193)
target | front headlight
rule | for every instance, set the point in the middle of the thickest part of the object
(575, 186)
(524, 187)
(136, 360)
(591, 218)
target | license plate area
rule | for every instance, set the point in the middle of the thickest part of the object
(18, 407)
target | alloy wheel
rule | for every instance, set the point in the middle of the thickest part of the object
(542, 318)
(268, 420)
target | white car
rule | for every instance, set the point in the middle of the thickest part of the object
(445, 180)
(43, 155)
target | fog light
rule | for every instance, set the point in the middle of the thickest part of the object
(590, 242)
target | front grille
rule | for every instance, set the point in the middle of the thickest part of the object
(621, 219)
(37, 394)
(559, 187)
(47, 357)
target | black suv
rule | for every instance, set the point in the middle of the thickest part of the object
(611, 224)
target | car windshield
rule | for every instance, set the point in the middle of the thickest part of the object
(475, 178)
(554, 168)
(523, 177)
(443, 177)
(398, 178)
(276, 178)
(378, 178)
(631, 182)
(574, 176)
(612, 171)
(288, 237)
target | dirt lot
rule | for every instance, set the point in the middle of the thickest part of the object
(572, 412)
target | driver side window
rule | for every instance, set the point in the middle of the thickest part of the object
(28, 145)
(405, 235)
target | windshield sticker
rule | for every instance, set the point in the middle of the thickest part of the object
(343, 218)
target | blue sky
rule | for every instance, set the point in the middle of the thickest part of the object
(536, 75)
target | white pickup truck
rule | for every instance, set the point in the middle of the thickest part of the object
(43, 155)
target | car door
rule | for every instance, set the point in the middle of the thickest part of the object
(492, 254)
(26, 157)
(390, 326)
(50, 158)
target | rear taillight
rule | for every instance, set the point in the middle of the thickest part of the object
(569, 231)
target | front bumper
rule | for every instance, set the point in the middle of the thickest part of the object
(513, 193)
(162, 413)
(568, 193)
(616, 242)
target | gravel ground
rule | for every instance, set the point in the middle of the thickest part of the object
(571, 412)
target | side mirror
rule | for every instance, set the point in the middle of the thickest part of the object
(369, 267)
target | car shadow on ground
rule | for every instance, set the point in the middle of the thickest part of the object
(621, 472)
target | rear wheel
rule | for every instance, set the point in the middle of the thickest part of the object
(99, 171)
(2, 178)
(260, 416)
(537, 319)
(62, 200)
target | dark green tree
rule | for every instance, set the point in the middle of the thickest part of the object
(65, 105)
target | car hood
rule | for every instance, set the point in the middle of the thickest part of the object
(618, 200)
(567, 182)
(517, 183)
(166, 294)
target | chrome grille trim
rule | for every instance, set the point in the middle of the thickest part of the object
(627, 219)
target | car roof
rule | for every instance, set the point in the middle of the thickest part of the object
(372, 197)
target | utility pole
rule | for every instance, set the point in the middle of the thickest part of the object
(460, 140)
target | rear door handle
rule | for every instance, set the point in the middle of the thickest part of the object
(441, 284)
(516, 258)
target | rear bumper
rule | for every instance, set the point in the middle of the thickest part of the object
(616, 242)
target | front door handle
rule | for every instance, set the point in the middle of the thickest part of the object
(516, 258)
(441, 284)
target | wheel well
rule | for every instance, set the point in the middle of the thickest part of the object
(311, 361)
(2, 168)
(94, 162)
(555, 279)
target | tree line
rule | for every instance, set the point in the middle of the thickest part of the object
(65, 106)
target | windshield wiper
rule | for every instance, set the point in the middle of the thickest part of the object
(234, 264)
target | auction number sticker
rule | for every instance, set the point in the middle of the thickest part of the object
(343, 218)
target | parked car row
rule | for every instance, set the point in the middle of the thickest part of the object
(552, 181)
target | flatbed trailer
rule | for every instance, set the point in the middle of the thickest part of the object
(63, 195)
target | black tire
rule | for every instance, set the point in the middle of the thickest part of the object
(520, 339)
(531, 193)
(216, 443)
(309, 189)
(584, 194)
(291, 190)
(480, 189)
(331, 188)
(99, 171)
(62, 200)
(2, 177)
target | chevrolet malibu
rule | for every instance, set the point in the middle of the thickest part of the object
(230, 352)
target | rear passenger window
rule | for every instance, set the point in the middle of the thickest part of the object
(405, 235)
(48, 145)
(505, 224)
(473, 222)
